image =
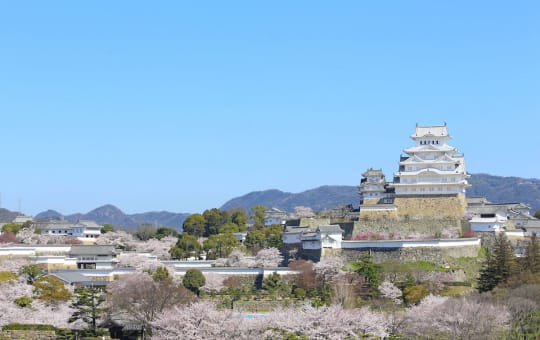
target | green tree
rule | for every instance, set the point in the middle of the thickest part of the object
(215, 218)
(275, 285)
(194, 225)
(106, 228)
(369, 270)
(255, 240)
(220, 245)
(88, 306)
(531, 258)
(414, 294)
(161, 274)
(145, 232)
(240, 218)
(186, 246)
(23, 301)
(162, 232)
(31, 272)
(499, 266)
(266, 237)
(13, 228)
(228, 228)
(258, 212)
(51, 289)
(193, 280)
(537, 213)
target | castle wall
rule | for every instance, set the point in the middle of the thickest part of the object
(436, 255)
(405, 227)
(431, 206)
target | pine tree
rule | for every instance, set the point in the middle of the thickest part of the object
(499, 266)
(87, 306)
(531, 258)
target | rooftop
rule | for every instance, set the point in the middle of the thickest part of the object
(428, 131)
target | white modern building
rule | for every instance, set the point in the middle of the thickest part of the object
(431, 166)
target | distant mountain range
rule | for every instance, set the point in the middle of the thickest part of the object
(497, 189)
(111, 214)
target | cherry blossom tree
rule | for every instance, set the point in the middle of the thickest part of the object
(200, 320)
(270, 257)
(303, 212)
(119, 239)
(143, 299)
(390, 291)
(236, 258)
(214, 282)
(457, 318)
(137, 261)
(159, 248)
(328, 268)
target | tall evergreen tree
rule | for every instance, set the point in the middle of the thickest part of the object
(531, 258)
(499, 266)
(88, 307)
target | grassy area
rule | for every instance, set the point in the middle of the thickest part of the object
(394, 266)
(7, 276)
(453, 291)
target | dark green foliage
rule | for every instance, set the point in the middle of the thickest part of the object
(161, 274)
(275, 285)
(195, 225)
(258, 212)
(88, 306)
(537, 213)
(107, 227)
(531, 259)
(186, 246)
(369, 270)
(162, 232)
(23, 301)
(240, 219)
(219, 246)
(499, 266)
(266, 237)
(11, 228)
(193, 280)
(215, 218)
(31, 272)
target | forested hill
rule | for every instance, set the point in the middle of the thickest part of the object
(111, 214)
(497, 189)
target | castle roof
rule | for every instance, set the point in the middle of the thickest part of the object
(430, 148)
(430, 131)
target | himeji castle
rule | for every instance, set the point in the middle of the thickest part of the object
(430, 182)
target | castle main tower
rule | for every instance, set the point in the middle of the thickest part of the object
(432, 177)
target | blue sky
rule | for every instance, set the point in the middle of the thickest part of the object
(181, 106)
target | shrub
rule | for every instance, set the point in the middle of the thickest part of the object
(414, 294)
(23, 301)
(8, 238)
(7, 276)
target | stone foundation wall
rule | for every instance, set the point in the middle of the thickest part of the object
(378, 214)
(431, 206)
(430, 254)
(433, 227)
